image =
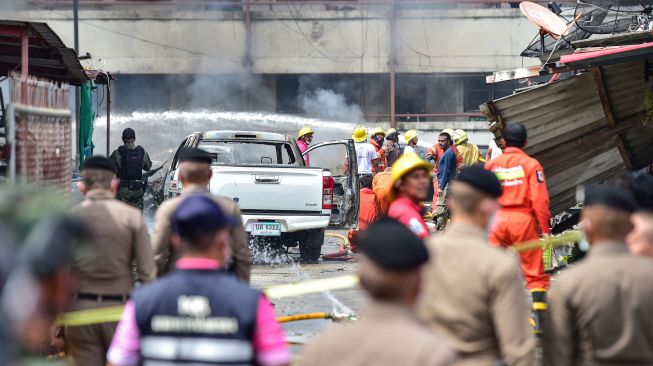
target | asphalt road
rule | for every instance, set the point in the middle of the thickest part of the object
(291, 271)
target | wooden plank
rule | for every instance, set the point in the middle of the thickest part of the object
(603, 96)
(623, 152)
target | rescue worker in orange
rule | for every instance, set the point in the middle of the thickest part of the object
(381, 185)
(410, 186)
(433, 155)
(368, 212)
(524, 213)
(377, 140)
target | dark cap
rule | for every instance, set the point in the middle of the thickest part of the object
(609, 196)
(99, 162)
(199, 214)
(515, 134)
(390, 245)
(128, 134)
(192, 154)
(481, 179)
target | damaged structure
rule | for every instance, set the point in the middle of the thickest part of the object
(592, 124)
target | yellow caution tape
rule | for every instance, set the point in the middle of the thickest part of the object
(311, 287)
(91, 316)
(113, 314)
(553, 241)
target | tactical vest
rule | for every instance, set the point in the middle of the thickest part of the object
(131, 167)
(196, 317)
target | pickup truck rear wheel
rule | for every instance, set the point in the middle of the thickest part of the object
(310, 245)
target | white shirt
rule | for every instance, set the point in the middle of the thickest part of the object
(495, 150)
(409, 150)
(365, 153)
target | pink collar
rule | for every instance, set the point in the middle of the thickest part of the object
(197, 263)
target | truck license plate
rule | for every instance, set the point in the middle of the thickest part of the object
(266, 229)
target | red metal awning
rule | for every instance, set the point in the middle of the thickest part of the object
(607, 55)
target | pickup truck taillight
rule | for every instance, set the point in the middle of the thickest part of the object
(328, 184)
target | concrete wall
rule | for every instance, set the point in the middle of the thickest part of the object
(301, 39)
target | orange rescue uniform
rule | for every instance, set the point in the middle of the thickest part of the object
(369, 212)
(436, 152)
(524, 210)
(382, 185)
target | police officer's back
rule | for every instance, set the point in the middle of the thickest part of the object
(105, 277)
(389, 332)
(474, 292)
(131, 160)
(199, 313)
(601, 310)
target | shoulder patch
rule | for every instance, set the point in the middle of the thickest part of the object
(540, 176)
(415, 226)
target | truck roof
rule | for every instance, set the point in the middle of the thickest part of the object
(245, 135)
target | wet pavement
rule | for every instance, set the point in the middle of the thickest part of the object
(340, 301)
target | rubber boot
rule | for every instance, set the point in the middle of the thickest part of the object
(539, 309)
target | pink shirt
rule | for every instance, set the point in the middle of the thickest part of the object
(269, 343)
(303, 147)
(408, 213)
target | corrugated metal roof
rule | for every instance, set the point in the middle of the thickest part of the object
(48, 55)
(579, 135)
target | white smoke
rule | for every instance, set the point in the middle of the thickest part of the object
(326, 104)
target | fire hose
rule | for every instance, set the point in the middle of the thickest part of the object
(343, 253)
(311, 316)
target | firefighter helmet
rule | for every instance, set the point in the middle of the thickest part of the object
(306, 130)
(406, 164)
(460, 136)
(377, 131)
(410, 134)
(360, 134)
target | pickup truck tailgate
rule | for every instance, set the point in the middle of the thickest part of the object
(260, 190)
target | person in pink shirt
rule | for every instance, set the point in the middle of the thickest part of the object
(410, 184)
(304, 139)
(199, 313)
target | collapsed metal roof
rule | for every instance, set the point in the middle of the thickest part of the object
(48, 55)
(589, 128)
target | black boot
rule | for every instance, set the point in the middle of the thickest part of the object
(539, 309)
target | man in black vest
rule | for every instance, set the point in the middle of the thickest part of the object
(199, 313)
(131, 160)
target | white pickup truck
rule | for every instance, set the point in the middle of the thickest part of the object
(283, 201)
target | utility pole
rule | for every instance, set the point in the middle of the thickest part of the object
(77, 124)
(392, 64)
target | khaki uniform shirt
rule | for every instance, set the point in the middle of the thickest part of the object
(475, 295)
(601, 311)
(241, 261)
(387, 334)
(119, 238)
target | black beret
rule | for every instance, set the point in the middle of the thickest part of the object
(128, 134)
(481, 179)
(194, 155)
(390, 245)
(199, 214)
(99, 162)
(609, 196)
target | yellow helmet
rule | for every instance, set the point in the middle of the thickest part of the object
(449, 131)
(304, 131)
(360, 134)
(377, 131)
(410, 134)
(460, 136)
(390, 131)
(406, 164)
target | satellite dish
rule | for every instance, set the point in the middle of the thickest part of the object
(543, 18)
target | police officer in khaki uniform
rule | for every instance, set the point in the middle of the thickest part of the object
(105, 276)
(601, 310)
(131, 160)
(474, 293)
(389, 332)
(195, 174)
